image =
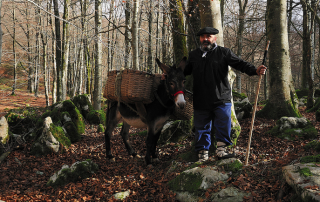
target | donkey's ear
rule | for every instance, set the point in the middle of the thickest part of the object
(164, 67)
(183, 63)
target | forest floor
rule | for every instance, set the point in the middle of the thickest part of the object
(23, 177)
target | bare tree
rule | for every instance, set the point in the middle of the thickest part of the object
(98, 61)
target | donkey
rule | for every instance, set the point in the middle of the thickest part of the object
(170, 94)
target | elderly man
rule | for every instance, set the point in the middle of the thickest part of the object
(208, 65)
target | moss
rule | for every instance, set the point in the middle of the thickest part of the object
(305, 172)
(271, 111)
(308, 132)
(101, 128)
(72, 132)
(96, 117)
(186, 182)
(59, 134)
(310, 159)
(313, 145)
(78, 171)
(234, 167)
(235, 129)
(83, 103)
(236, 95)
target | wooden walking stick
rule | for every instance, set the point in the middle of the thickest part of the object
(255, 104)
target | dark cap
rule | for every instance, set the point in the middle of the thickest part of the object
(208, 30)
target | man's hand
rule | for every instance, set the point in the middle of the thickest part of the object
(261, 70)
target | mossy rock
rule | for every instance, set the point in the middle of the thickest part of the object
(305, 172)
(59, 134)
(301, 93)
(313, 145)
(310, 159)
(235, 166)
(78, 171)
(238, 96)
(83, 103)
(175, 131)
(72, 132)
(100, 128)
(308, 132)
(96, 117)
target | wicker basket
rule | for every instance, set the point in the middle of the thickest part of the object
(187, 112)
(132, 86)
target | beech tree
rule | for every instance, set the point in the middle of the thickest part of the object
(282, 96)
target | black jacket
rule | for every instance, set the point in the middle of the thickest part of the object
(210, 76)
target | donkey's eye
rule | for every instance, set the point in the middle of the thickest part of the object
(184, 81)
(171, 84)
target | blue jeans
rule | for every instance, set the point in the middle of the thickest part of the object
(221, 118)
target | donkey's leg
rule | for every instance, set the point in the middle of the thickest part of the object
(113, 118)
(125, 137)
(149, 144)
(154, 146)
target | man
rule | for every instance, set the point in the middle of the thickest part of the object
(212, 92)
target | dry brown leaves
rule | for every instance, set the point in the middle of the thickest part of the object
(23, 177)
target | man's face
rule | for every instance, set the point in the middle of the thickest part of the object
(207, 41)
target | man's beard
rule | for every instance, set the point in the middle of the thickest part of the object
(206, 47)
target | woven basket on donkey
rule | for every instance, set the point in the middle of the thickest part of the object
(187, 112)
(132, 86)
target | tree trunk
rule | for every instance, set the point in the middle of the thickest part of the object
(65, 51)
(282, 97)
(242, 14)
(151, 41)
(178, 33)
(127, 35)
(58, 49)
(14, 51)
(211, 17)
(54, 64)
(0, 32)
(135, 47)
(98, 57)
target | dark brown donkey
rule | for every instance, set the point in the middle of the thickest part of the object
(170, 94)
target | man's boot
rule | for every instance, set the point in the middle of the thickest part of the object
(203, 155)
(221, 151)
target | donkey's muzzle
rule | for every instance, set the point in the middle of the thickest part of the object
(180, 101)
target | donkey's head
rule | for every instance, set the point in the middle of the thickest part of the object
(175, 80)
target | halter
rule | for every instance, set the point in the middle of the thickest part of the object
(171, 96)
